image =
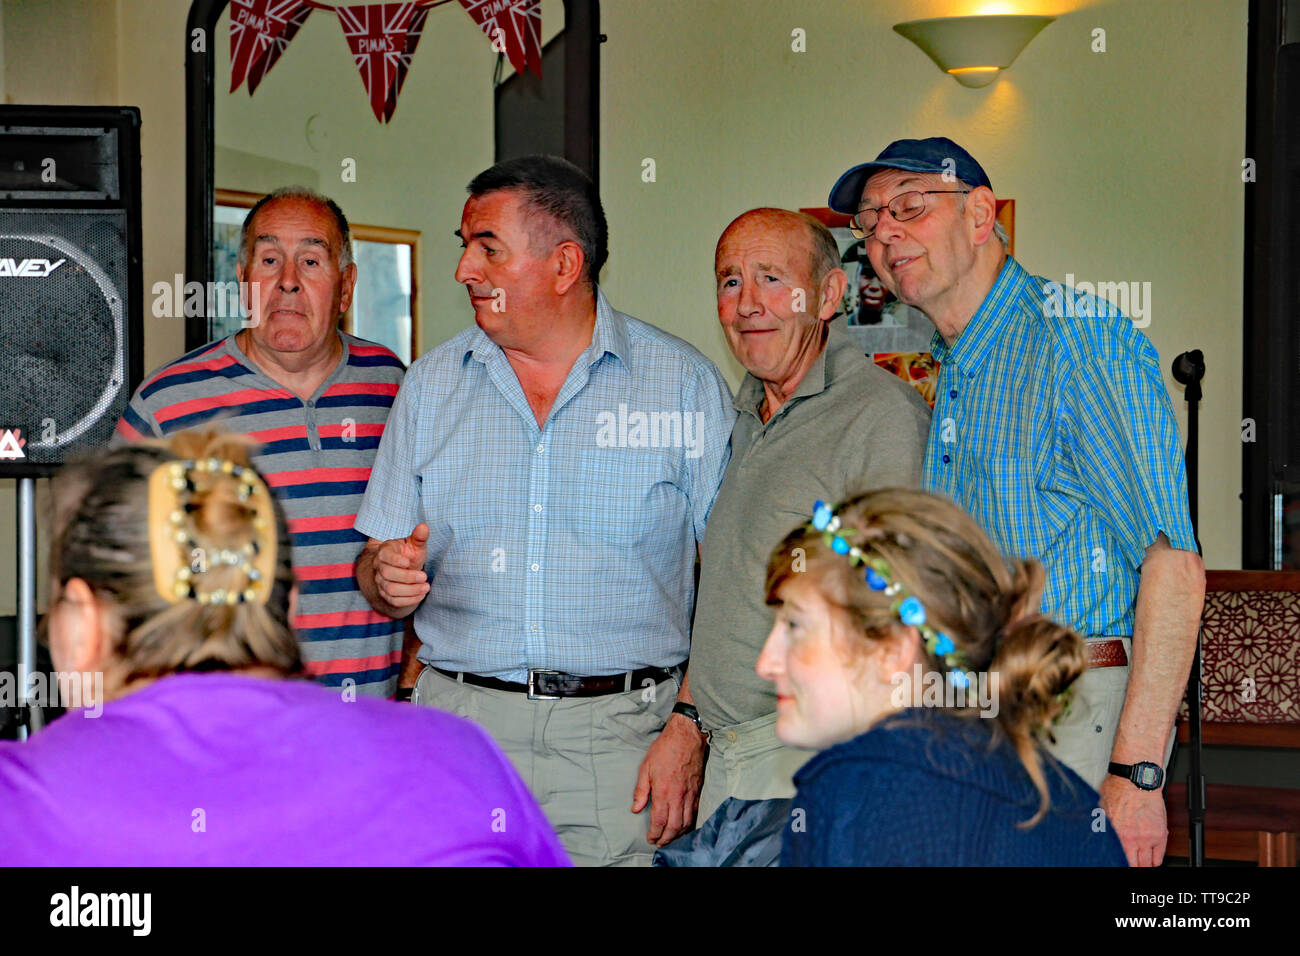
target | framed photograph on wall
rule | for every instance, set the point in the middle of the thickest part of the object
(384, 304)
(895, 336)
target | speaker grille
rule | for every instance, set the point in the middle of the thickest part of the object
(63, 361)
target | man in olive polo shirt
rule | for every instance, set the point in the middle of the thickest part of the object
(817, 420)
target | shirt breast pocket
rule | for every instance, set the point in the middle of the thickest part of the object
(1000, 493)
(624, 496)
(464, 497)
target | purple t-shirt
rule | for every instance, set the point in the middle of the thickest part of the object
(223, 770)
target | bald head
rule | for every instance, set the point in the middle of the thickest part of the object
(792, 228)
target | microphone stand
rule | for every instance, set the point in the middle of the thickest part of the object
(1188, 369)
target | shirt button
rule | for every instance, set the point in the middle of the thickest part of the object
(540, 449)
(953, 393)
(731, 735)
(537, 508)
(311, 404)
(535, 567)
(946, 459)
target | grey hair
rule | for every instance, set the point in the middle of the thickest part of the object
(310, 195)
(825, 250)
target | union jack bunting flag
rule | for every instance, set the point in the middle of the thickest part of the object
(517, 24)
(260, 30)
(382, 38)
(262, 66)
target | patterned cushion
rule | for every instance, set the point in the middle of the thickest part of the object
(1250, 651)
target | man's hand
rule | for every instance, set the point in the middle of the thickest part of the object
(1138, 817)
(670, 779)
(1169, 600)
(391, 573)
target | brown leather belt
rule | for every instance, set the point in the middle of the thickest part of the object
(1107, 653)
(553, 685)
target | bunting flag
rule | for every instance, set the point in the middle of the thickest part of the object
(262, 66)
(259, 32)
(382, 38)
(514, 24)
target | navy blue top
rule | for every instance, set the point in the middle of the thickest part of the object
(930, 789)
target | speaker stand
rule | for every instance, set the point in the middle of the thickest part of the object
(30, 718)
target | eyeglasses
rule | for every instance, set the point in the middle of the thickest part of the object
(902, 207)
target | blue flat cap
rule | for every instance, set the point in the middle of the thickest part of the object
(938, 154)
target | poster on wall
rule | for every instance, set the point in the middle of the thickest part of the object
(895, 336)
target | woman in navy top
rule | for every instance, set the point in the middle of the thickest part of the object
(909, 651)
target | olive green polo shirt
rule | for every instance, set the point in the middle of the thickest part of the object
(850, 427)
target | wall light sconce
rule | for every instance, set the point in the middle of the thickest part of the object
(973, 49)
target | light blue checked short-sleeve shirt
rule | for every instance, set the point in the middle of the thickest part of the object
(569, 547)
(1052, 427)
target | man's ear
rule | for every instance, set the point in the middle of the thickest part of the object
(293, 602)
(569, 264)
(347, 285)
(981, 213)
(831, 294)
(78, 631)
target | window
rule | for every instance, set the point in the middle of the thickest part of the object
(384, 303)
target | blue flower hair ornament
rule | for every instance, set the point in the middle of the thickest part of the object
(878, 576)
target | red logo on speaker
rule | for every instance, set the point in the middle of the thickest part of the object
(11, 444)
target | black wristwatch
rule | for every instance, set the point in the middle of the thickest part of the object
(404, 694)
(1144, 775)
(686, 710)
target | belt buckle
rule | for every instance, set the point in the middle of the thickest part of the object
(532, 684)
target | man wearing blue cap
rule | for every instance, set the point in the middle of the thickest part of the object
(1053, 428)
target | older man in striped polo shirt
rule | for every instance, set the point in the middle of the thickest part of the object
(1053, 428)
(316, 400)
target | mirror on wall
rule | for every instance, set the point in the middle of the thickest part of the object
(401, 183)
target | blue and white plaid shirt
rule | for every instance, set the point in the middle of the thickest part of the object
(569, 547)
(1052, 427)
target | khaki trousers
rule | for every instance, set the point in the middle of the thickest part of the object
(1085, 735)
(749, 762)
(579, 756)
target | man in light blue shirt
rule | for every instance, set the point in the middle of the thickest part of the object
(538, 505)
(1052, 427)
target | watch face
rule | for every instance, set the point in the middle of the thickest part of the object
(1148, 775)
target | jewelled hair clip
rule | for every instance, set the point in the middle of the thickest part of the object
(879, 577)
(171, 546)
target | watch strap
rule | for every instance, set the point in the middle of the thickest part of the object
(688, 711)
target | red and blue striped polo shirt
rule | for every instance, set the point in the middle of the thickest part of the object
(316, 457)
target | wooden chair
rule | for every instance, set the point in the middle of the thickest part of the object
(1250, 691)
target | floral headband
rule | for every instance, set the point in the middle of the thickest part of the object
(878, 576)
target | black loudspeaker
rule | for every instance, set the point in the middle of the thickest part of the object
(71, 310)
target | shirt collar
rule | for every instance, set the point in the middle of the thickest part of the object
(987, 325)
(232, 348)
(609, 335)
(750, 395)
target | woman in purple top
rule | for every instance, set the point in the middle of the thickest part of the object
(173, 593)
